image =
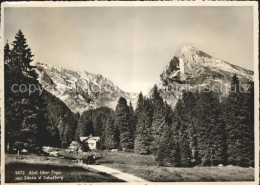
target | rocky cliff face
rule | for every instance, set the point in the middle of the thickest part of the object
(191, 69)
(80, 91)
(195, 70)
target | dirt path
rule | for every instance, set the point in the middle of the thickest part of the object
(116, 173)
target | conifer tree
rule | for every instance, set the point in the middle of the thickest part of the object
(143, 134)
(7, 53)
(155, 94)
(158, 122)
(27, 110)
(138, 142)
(211, 138)
(138, 111)
(132, 120)
(123, 124)
(249, 131)
(140, 105)
(10, 98)
(110, 137)
(169, 153)
(168, 114)
(185, 150)
(85, 125)
(185, 119)
(238, 117)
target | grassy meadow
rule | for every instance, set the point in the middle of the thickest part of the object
(146, 167)
(143, 166)
(60, 168)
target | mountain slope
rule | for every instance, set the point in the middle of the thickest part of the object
(195, 70)
(61, 128)
(80, 91)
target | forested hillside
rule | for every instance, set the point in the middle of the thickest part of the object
(61, 124)
(99, 122)
(201, 130)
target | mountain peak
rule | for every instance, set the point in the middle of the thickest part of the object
(187, 49)
(194, 69)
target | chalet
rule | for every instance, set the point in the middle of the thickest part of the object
(91, 140)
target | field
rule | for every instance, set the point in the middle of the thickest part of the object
(32, 168)
(138, 165)
(145, 167)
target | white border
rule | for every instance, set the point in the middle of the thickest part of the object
(256, 86)
(139, 4)
(126, 3)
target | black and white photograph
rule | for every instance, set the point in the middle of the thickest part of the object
(129, 92)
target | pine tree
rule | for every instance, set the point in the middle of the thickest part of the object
(7, 53)
(185, 150)
(25, 112)
(138, 142)
(123, 124)
(185, 121)
(138, 111)
(169, 153)
(11, 107)
(250, 151)
(21, 56)
(158, 122)
(110, 138)
(85, 125)
(211, 140)
(238, 117)
(168, 114)
(143, 134)
(140, 105)
(132, 120)
(155, 94)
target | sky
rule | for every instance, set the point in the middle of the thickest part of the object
(131, 46)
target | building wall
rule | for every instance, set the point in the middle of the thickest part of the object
(92, 144)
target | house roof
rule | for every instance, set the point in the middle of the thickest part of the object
(96, 138)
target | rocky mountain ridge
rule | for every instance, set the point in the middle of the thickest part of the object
(191, 69)
(79, 90)
(195, 70)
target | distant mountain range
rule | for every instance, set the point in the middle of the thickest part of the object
(191, 69)
(81, 91)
